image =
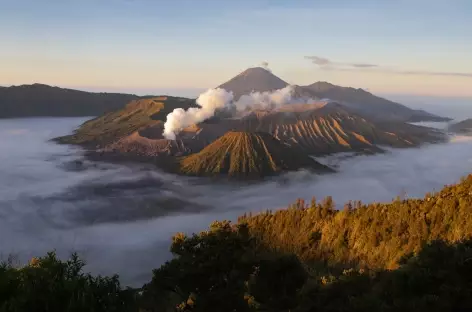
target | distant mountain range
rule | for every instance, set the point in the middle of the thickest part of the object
(462, 127)
(38, 100)
(43, 100)
(356, 100)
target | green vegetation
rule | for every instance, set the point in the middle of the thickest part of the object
(245, 154)
(407, 255)
(137, 115)
(373, 236)
(48, 284)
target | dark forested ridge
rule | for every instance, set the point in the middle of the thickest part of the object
(407, 255)
(39, 100)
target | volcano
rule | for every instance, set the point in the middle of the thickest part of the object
(369, 105)
(239, 154)
(255, 79)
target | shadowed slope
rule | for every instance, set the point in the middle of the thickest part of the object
(243, 154)
(43, 100)
(370, 105)
(462, 127)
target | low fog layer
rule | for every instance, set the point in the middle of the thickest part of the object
(121, 218)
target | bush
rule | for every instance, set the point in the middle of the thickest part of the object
(49, 284)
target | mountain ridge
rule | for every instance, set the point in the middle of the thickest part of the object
(41, 100)
(368, 104)
(462, 127)
(137, 115)
(239, 154)
(358, 100)
(319, 128)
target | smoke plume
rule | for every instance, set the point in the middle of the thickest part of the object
(265, 65)
(209, 102)
(264, 100)
(215, 99)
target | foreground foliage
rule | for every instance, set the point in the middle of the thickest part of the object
(374, 236)
(408, 255)
(49, 284)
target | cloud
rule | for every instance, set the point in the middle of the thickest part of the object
(327, 64)
(117, 232)
(321, 61)
(16, 131)
(364, 65)
(265, 65)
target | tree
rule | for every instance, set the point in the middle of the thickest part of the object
(48, 284)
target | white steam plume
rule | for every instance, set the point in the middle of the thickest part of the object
(214, 99)
(264, 100)
(265, 65)
(209, 102)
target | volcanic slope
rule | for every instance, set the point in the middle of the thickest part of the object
(245, 155)
(355, 100)
(370, 105)
(136, 119)
(324, 129)
(462, 127)
(253, 79)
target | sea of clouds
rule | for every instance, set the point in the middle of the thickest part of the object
(120, 218)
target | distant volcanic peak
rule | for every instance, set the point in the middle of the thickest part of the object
(254, 71)
(256, 79)
(246, 154)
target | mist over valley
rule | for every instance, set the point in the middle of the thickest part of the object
(120, 217)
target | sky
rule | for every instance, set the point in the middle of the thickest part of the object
(182, 47)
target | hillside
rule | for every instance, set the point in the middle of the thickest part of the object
(355, 100)
(369, 105)
(371, 236)
(331, 129)
(43, 100)
(318, 128)
(135, 116)
(253, 79)
(243, 154)
(462, 127)
(407, 255)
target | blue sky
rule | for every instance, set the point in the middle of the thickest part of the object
(183, 46)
